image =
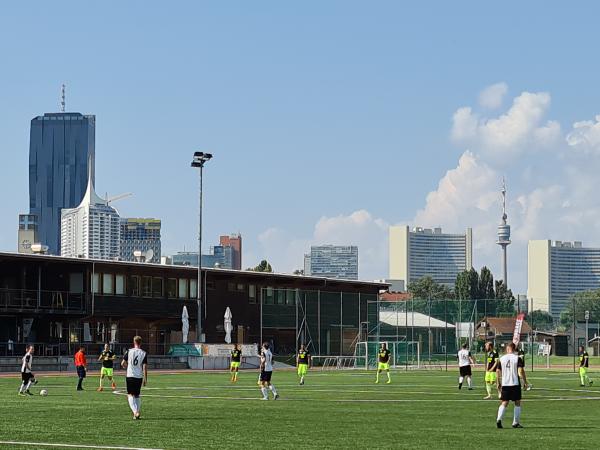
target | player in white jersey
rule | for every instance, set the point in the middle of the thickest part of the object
(135, 360)
(510, 371)
(27, 378)
(266, 371)
(464, 366)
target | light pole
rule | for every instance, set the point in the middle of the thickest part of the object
(200, 158)
(587, 337)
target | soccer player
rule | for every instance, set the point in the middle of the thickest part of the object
(135, 360)
(510, 371)
(490, 368)
(80, 365)
(266, 371)
(27, 377)
(303, 363)
(107, 357)
(464, 366)
(383, 363)
(236, 359)
(584, 363)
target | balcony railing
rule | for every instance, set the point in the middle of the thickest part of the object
(48, 301)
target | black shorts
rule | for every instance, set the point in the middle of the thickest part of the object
(81, 371)
(265, 376)
(26, 376)
(134, 386)
(510, 393)
(465, 371)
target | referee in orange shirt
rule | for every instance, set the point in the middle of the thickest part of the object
(80, 365)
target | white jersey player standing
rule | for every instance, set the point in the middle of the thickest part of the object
(464, 366)
(135, 360)
(266, 371)
(510, 371)
(27, 377)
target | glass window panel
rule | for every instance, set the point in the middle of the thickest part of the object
(120, 284)
(193, 290)
(252, 293)
(108, 284)
(135, 286)
(147, 286)
(183, 288)
(95, 283)
(157, 287)
(172, 288)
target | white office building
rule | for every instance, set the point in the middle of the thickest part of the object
(91, 230)
(421, 252)
(556, 270)
(332, 261)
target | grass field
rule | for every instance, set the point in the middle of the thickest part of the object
(333, 409)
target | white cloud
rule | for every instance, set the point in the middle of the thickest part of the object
(285, 252)
(506, 137)
(492, 96)
(585, 136)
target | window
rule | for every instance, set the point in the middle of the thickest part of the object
(75, 283)
(120, 284)
(280, 297)
(193, 290)
(231, 287)
(241, 288)
(95, 283)
(291, 297)
(269, 296)
(135, 285)
(147, 286)
(157, 287)
(183, 288)
(252, 294)
(172, 288)
(108, 284)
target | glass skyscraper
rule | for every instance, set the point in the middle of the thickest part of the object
(61, 145)
(332, 261)
(140, 234)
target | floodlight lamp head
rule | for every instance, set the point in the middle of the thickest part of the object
(200, 158)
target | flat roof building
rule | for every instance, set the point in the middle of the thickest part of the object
(556, 270)
(421, 252)
(332, 261)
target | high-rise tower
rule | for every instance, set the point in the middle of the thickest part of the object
(504, 234)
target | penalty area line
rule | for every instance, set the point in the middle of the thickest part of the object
(56, 445)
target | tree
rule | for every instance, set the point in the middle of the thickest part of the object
(263, 266)
(461, 285)
(298, 272)
(486, 284)
(473, 278)
(540, 320)
(427, 288)
(505, 300)
(582, 301)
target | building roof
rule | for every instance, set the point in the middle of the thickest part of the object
(324, 281)
(395, 296)
(504, 325)
(413, 319)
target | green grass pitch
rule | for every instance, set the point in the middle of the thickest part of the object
(420, 409)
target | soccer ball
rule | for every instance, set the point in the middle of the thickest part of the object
(43, 392)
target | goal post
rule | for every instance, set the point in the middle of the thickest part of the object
(405, 354)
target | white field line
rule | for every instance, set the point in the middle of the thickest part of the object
(48, 444)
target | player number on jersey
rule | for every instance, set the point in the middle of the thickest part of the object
(135, 361)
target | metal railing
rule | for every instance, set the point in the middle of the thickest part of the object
(32, 300)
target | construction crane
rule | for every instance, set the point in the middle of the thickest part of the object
(117, 197)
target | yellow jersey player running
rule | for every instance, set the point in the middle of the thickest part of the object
(490, 368)
(584, 363)
(383, 363)
(236, 360)
(108, 358)
(303, 363)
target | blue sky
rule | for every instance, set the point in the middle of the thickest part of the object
(328, 120)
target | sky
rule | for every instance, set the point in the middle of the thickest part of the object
(328, 121)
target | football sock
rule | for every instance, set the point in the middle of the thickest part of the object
(501, 411)
(132, 404)
(265, 392)
(273, 390)
(377, 377)
(469, 381)
(388, 375)
(29, 383)
(22, 388)
(138, 404)
(582, 379)
(101, 380)
(517, 415)
(302, 379)
(488, 388)
(460, 381)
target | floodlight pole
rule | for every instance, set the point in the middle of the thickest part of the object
(200, 158)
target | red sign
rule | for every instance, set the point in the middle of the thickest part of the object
(518, 326)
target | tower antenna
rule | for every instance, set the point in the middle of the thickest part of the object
(504, 233)
(62, 98)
